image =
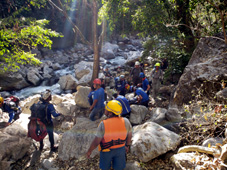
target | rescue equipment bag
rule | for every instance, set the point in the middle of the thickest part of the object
(38, 120)
(36, 129)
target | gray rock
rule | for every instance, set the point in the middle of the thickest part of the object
(222, 95)
(68, 82)
(138, 113)
(81, 96)
(159, 116)
(151, 140)
(133, 166)
(75, 142)
(207, 65)
(212, 141)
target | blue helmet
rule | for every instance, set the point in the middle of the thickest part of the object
(117, 79)
(142, 75)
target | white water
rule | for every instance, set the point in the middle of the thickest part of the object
(30, 91)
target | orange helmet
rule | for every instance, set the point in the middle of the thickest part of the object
(97, 81)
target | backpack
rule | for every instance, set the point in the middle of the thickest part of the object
(38, 120)
(36, 129)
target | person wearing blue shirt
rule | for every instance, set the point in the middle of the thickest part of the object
(45, 99)
(143, 98)
(91, 95)
(11, 106)
(145, 83)
(120, 85)
(98, 105)
(125, 104)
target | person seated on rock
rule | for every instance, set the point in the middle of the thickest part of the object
(129, 89)
(50, 111)
(142, 97)
(98, 105)
(120, 85)
(11, 106)
(107, 75)
(106, 72)
(124, 103)
(113, 136)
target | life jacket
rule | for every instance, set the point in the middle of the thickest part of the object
(36, 129)
(38, 120)
(115, 134)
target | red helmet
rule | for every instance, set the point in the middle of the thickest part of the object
(97, 81)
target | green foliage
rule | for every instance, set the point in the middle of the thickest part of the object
(169, 48)
(16, 43)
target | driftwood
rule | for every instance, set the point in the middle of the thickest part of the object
(195, 148)
(219, 153)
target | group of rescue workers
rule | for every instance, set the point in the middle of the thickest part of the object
(113, 134)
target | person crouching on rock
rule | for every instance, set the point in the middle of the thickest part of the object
(113, 137)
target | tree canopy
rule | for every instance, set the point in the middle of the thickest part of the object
(178, 22)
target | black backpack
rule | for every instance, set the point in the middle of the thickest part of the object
(38, 121)
(39, 110)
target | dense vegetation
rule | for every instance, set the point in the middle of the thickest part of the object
(171, 27)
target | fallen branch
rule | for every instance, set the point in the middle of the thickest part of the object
(202, 149)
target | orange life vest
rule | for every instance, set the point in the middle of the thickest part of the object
(115, 133)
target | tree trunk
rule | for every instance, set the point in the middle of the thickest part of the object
(95, 42)
(183, 16)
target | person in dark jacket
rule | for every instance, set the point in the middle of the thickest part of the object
(135, 74)
(45, 99)
(120, 85)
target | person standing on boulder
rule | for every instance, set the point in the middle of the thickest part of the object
(50, 111)
(157, 77)
(135, 74)
(98, 105)
(113, 137)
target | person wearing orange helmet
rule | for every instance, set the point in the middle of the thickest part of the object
(113, 136)
(97, 106)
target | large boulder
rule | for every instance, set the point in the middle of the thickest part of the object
(159, 116)
(138, 113)
(81, 96)
(68, 82)
(76, 142)
(151, 140)
(12, 81)
(64, 104)
(83, 68)
(108, 50)
(207, 66)
(33, 76)
(14, 145)
(132, 56)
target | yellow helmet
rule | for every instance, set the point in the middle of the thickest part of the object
(157, 65)
(114, 106)
(1, 100)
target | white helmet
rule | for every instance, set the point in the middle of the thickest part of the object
(137, 63)
(122, 76)
(46, 94)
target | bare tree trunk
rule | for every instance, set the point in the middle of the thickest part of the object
(95, 41)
